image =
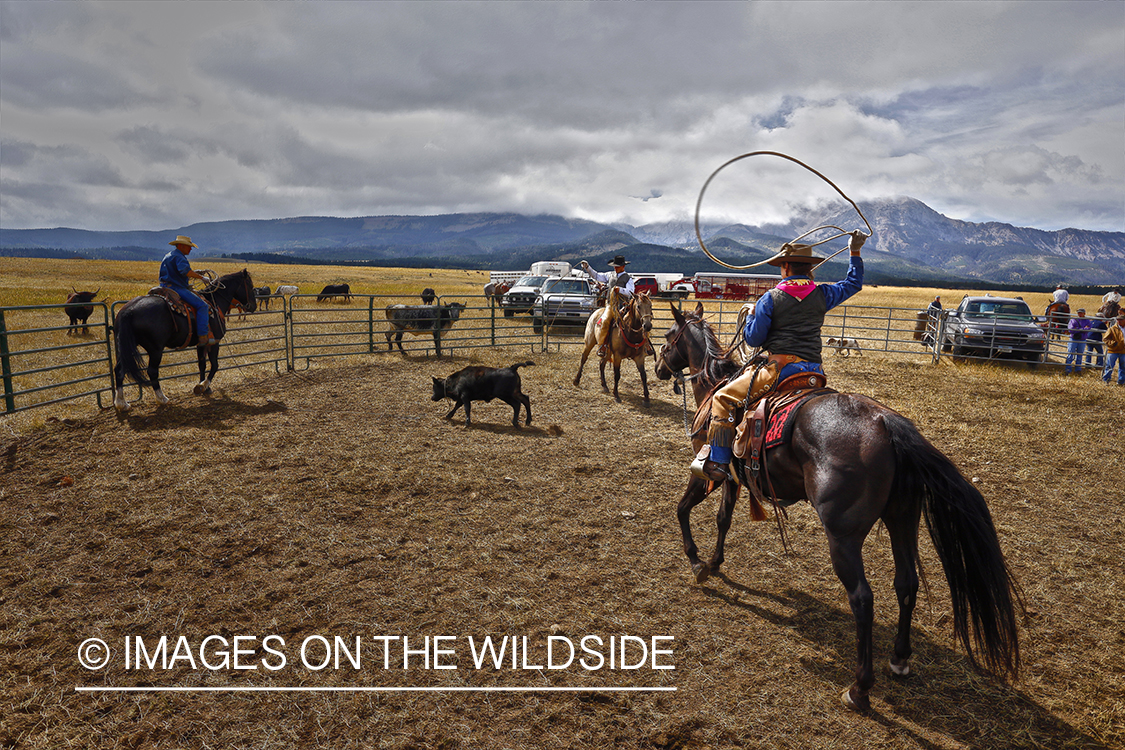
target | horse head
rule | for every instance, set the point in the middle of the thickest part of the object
(675, 354)
(242, 290)
(642, 310)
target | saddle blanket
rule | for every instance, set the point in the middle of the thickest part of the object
(779, 429)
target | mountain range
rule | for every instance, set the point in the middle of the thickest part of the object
(911, 243)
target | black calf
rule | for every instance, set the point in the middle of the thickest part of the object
(478, 383)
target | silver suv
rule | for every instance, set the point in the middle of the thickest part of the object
(567, 300)
(993, 327)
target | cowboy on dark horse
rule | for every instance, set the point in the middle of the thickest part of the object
(174, 274)
(786, 323)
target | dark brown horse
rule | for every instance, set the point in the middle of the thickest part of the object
(1058, 317)
(1109, 309)
(629, 339)
(858, 462)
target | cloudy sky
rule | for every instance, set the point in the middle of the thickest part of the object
(127, 115)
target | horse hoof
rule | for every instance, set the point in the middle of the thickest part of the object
(702, 572)
(198, 390)
(900, 669)
(857, 702)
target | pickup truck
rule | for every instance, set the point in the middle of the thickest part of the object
(567, 300)
(993, 327)
(521, 296)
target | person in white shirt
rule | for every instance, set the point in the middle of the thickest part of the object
(1061, 295)
(1113, 295)
(625, 287)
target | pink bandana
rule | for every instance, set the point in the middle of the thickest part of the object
(797, 287)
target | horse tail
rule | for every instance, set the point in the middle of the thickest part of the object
(518, 365)
(127, 355)
(982, 590)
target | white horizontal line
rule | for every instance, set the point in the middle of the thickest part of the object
(284, 689)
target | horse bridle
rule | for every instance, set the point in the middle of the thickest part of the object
(639, 328)
(671, 343)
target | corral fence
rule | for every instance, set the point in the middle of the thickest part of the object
(44, 361)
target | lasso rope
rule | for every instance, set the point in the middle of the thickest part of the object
(842, 232)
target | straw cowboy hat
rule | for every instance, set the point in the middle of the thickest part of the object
(795, 253)
(619, 260)
(182, 240)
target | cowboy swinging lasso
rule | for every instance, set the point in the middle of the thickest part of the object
(853, 459)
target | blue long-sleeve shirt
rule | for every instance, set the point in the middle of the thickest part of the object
(174, 269)
(758, 327)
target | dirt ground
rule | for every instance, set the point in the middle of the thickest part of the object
(337, 503)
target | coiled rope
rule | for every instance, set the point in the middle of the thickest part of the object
(842, 232)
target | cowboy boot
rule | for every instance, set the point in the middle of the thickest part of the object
(713, 461)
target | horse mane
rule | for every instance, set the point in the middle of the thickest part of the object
(718, 365)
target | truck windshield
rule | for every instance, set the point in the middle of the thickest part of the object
(567, 286)
(1010, 310)
(531, 281)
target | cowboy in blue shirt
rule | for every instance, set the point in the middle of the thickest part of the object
(174, 274)
(786, 323)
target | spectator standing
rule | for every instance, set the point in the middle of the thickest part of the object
(1115, 349)
(1079, 329)
(1094, 343)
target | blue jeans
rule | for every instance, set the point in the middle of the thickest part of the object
(200, 305)
(1092, 348)
(1074, 351)
(1110, 360)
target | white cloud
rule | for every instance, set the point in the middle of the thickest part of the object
(990, 110)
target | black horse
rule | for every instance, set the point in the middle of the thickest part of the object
(858, 462)
(149, 323)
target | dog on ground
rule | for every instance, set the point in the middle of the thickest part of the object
(844, 346)
(477, 383)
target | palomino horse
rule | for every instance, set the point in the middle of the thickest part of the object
(627, 340)
(1058, 316)
(858, 462)
(148, 322)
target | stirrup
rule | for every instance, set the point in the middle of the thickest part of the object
(603, 350)
(716, 472)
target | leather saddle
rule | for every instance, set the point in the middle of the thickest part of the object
(178, 306)
(769, 423)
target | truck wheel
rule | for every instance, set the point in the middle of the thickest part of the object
(508, 312)
(537, 325)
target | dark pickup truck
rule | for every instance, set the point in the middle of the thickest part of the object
(993, 327)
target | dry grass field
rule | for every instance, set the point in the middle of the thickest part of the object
(335, 501)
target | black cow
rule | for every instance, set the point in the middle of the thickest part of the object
(428, 296)
(477, 383)
(420, 319)
(263, 294)
(335, 290)
(77, 310)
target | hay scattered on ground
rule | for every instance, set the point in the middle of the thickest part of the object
(336, 501)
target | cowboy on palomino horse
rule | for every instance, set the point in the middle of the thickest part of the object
(786, 323)
(622, 287)
(175, 270)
